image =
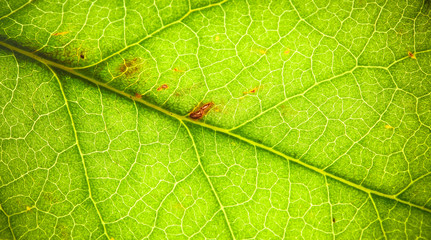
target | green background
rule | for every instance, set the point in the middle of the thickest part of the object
(320, 129)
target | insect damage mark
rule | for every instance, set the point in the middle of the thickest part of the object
(177, 70)
(163, 87)
(130, 68)
(202, 111)
(60, 33)
(254, 90)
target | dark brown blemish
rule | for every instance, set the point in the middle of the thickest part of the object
(137, 95)
(201, 111)
(411, 55)
(333, 220)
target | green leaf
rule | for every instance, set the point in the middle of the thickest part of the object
(320, 126)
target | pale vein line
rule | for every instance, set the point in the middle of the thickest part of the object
(330, 208)
(152, 34)
(16, 10)
(378, 215)
(8, 221)
(208, 179)
(80, 152)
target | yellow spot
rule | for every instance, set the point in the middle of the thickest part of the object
(412, 56)
(262, 51)
(287, 51)
(28, 208)
(217, 38)
(112, 238)
(388, 127)
(60, 33)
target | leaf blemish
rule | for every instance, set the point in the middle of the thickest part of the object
(82, 55)
(177, 70)
(137, 95)
(388, 126)
(202, 111)
(60, 33)
(163, 87)
(254, 90)
(411, 55)
(130, 68)
(333, 220)
(287, 51)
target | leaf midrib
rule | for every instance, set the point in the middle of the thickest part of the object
(214, 128)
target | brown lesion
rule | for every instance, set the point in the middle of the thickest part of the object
(163, 87)
(178, 70)
(60, 33)
(202, 111)
(131, 67)
(411, 55)
(253, 90)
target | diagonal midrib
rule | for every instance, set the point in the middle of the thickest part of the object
(217, 129)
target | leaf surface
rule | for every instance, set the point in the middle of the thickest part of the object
(320, 128)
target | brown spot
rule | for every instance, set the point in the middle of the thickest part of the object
(60, 33)
(201, 111)
(163, 87)
(131, 68)
(287, 51)
(254, 90)
(196, 115)
(333, 220)
(137, 95)
(412, 56)
(177, 70)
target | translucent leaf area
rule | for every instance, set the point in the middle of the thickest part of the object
(317, 123)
